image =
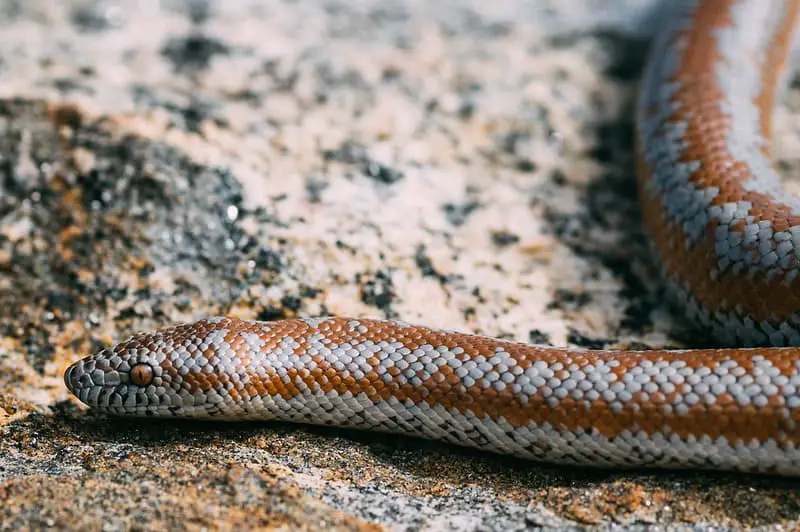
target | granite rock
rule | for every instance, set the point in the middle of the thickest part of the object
(466, 165)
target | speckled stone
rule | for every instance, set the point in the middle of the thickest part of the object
(467, 165)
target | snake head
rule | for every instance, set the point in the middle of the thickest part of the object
(166, 373)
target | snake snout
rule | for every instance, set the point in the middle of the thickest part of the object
(89, 379)
(69, 378)
(76, 377)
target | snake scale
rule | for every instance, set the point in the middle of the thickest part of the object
(725, 233)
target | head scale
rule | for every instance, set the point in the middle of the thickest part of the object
(168, 373)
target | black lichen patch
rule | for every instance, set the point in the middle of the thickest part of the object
(535, 336)
(93, 223)
(579, 339)
(289, 306)
(352, 154)
(378, 290)
(504, 238)
(457, 214)
(427, 269)
(188, 116)
(566, 299)
(93, 17)
(199, 11)
(193, 52)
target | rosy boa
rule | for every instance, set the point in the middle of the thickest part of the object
(726, 234)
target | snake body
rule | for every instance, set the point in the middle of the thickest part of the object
(727, 237)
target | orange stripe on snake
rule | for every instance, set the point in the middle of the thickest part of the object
(726, 234)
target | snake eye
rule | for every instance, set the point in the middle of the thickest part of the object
(141, 374)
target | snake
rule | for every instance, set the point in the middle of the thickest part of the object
(724, 232)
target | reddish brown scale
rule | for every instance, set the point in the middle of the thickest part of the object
(761, 299)
(725, 418)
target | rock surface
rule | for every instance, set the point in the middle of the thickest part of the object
(466, 165)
